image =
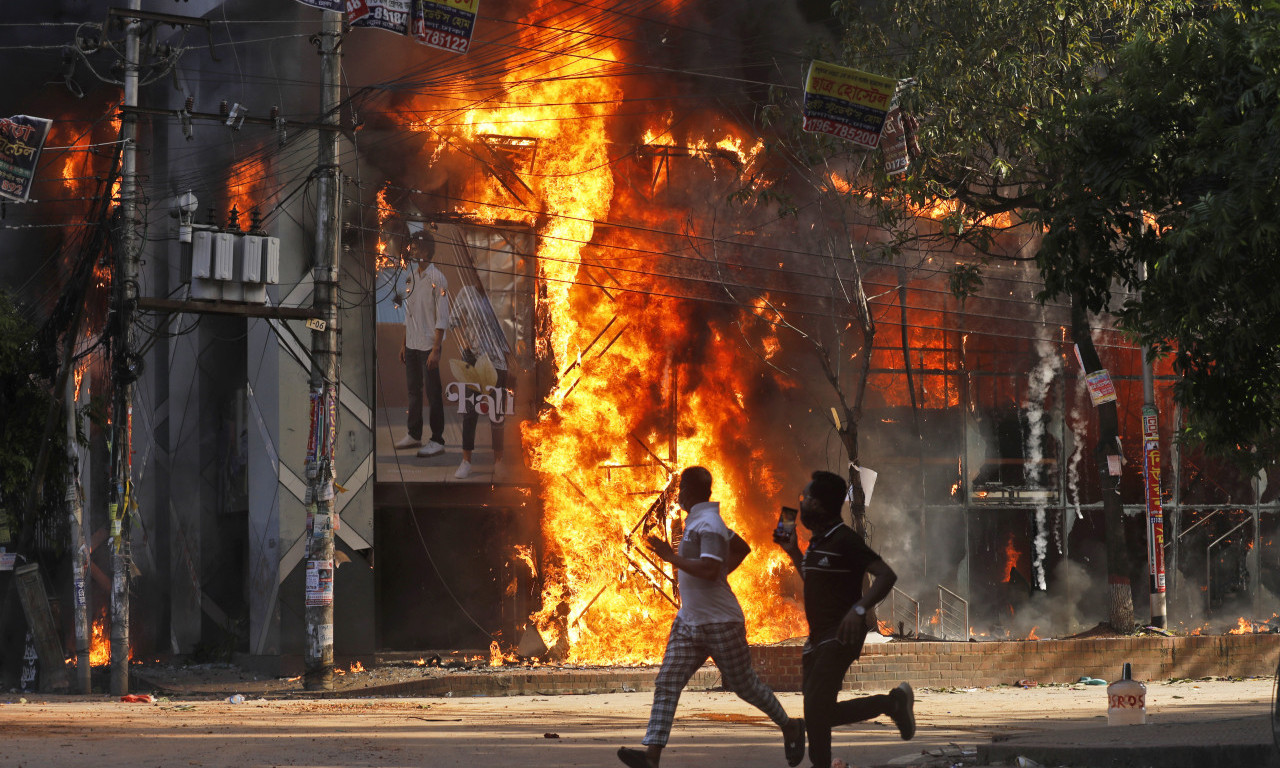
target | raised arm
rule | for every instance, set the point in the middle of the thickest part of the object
(703, 567)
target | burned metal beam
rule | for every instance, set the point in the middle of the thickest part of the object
(649, 450)
(578, 360)
(225, 308)
(498, 166)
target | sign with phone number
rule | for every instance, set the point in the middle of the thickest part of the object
(860, 136)
(447, 40)
(444, 24)
(847, 103)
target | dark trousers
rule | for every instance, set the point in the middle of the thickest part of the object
(824, 667)
(417, 373)
(470, 418)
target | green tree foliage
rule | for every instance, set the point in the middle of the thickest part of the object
(994, 88)
(25, 402)
(989, 78)
(1176, 158)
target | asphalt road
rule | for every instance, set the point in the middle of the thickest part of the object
(712, 728)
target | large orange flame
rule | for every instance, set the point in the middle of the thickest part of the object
(99, 643)
(629, 409)
(1011, 557)
(247, 186)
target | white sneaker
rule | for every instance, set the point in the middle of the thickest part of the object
(464, 469)
(408, 441)
(432, 448)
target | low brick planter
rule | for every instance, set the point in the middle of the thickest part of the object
(979, 664)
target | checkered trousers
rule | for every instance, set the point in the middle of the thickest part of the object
(687, 649)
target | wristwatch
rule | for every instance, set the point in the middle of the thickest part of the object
(860, 610)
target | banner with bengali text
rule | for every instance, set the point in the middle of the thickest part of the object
(391, 15)
(443, 24)
(446, 24)
(22, 138)
(326, 5)
(847, 103)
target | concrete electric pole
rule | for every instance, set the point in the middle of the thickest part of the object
(124, 362)
(324, 373)
(1151, 486)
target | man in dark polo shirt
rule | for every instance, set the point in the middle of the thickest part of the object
(836, 607)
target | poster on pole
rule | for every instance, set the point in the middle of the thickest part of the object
(1101, 389)
(847, 103)
(21, 140)
(1155, 515)
(319, 583)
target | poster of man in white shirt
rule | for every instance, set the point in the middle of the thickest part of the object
(457, 309)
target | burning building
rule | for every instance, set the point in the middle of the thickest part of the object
(658, 286)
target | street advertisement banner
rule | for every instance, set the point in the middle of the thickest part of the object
(847, 103)
(391, 15)
(893, 142)
(443, 24)
(326, 5)
(1101, 389)
(446, 24)
(22, 138)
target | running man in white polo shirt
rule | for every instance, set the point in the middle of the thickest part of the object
(709, 623)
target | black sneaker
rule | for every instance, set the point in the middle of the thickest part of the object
(902, 710)
(633, 758)
(793, 740)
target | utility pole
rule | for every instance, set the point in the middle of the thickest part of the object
(1109, 467)
(1151, 486)
(79, 545)
(1151, 482)
(123, 364)
(324, 372)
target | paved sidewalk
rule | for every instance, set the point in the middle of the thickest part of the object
(1209, 743)
(1194, 723)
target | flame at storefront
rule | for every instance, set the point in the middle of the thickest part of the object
(383, 260)
(99, 642)
(601, 442)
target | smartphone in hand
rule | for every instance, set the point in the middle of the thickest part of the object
(786, 530)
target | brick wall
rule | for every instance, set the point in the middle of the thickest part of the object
(884, 665)
(964, 665)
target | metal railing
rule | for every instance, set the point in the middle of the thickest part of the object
(904, 613)
(1208, 565)
(953, 615)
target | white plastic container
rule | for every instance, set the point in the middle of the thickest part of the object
(1127, 700)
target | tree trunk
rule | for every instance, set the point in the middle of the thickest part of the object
(1109, 459)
